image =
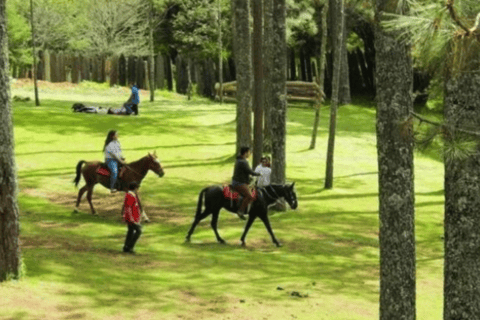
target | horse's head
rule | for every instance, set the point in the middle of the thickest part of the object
(290, 195)
(155, 165)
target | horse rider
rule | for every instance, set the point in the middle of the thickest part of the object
(240, 180)
(113, 157)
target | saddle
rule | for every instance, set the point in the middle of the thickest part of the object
(103, 170)
(230, 194)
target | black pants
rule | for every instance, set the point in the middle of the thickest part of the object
(133, 233)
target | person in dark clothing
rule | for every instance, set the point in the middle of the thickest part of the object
(241, 178)
(132, 216)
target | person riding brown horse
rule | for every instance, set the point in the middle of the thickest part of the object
(135, 171)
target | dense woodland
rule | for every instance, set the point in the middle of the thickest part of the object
(106, 41)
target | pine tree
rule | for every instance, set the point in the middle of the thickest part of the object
(9, 223)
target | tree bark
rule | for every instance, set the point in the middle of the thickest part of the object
(345, 96)
(151, 58)
(267, 73)
(337, 63)
(220, 59)
(334, 28)
(321, 58)
(279, 99)
(122, 71)
(243, 62)
(34, 54)
(462, 190)
(169, 72)
(394, 79)
(160, 72)
(10, 260)
(258, 81)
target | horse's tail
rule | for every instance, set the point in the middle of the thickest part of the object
(200, 202)
(79, 169)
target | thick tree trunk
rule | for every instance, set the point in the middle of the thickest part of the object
(132, 70)
(113, 71)
(345, 96)
(337, 63)
(48, 73)
(334, 30)
(267, 73)
(279, 100)
(462, 190)
(140, 73)
(303, 67)
(10, 260)
(122, 71)
(293, 68)
(182, 74)
(321, 58)
(169, 72)
(160, 72)
(151, 58)
(258, 81)
(243, 62)
(394, 78)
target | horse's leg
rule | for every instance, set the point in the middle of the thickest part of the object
(214, 222)
(251, 218)
(79, 198)
(197, 219)
(266, 222)
(89, 198)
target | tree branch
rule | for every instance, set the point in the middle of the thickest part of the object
(438, 124)
(477, 24)
(455, 18)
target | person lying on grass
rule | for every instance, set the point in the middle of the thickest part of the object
(132, 216)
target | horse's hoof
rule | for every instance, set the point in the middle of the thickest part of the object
(243, 244)
(147, 220)
(95, 213)
(278, 244)
(75, 210)
(187, 239)
(221, 241)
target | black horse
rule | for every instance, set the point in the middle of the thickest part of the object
(215, 200)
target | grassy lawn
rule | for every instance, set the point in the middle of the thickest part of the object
(73, 262)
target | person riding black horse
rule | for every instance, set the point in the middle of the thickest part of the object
(241, 178)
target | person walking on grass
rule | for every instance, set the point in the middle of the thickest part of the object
(132, 216)
(265, 172)
(132, 103)
(113, 157)
(241, 178)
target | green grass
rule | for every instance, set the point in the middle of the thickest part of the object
(73, 262)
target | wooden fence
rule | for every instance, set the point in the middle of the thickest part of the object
(296, 91)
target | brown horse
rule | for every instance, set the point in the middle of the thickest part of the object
(135, 171)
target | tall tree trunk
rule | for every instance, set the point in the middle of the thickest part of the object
(334, 30)
(258, 81)
(189, 78)
(345, 96)
(337, 63)
(169, 72)
(243, 62)
(394, 78)
(34, 54)
(267, 73)
(160, 72)
(293, 68)
(220, 59)
(9, 216)
(151, 58)
(279, 100)
(303, 67)
(462, 188)
(321, 58)
(122, 71)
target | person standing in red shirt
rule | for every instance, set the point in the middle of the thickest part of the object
(132, 216)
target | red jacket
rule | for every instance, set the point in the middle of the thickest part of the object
(131, 211)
